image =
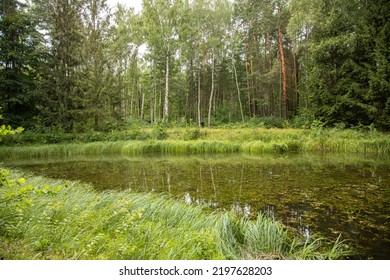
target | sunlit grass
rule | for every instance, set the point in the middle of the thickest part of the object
(72, 221)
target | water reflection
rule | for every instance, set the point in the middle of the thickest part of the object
(332, 195)
(242, 210)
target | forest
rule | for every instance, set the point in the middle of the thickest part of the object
(80, 65)
(246, 129)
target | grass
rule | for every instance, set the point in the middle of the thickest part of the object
(196, 147)
(51, 219)
(185, 141)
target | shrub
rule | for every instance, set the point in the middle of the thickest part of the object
(160, 131)
(267, 122)
(304, 119)
(191, 133)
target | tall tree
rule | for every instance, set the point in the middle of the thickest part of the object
(160, 19)
(303, 15)
(375, 25)
(20, 57)
(62, 23)
(123, 59)
(92, 99)
(264, 42)
(337, 74)
(216, 42)
(283, 63)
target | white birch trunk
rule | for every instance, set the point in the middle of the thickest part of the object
(212, 91)
(166, 100)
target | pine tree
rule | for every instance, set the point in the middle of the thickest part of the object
(62, 23)
(20, 53)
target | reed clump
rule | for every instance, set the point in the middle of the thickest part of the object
(52, 219)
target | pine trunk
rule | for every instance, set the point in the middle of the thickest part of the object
(271, 88)
(296, 82)
(283, 62)
(238, 89)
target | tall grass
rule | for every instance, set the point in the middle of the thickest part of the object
(212, 141)
(121, 147)
(196, 147)
(50, 219)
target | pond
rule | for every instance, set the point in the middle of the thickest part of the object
(330, 195)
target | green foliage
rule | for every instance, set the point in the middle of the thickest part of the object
(7, 130)
(160, 131)
(345, 44)
(20, 54)
(192, 133)
(15, 201)
(304, 119)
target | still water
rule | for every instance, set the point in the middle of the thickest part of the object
(313, 194)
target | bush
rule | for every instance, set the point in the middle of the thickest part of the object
(182, 122)
(7, 130)
(160, 131)
(191, 133)
(267, 122)
(303, 120)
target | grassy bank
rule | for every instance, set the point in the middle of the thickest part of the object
(47, 219)
(201, 141)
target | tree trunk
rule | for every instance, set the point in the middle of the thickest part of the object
(199, 88)
(142, 102)
(160, 103)
(283, 62)
(134, 88)
(252, 82)
(166, 100)
(199, 117)
(153, 95)
(248, 85)
(296, 82)
(238, 89)
(271, 89)
(151, 106)
(212, 89)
